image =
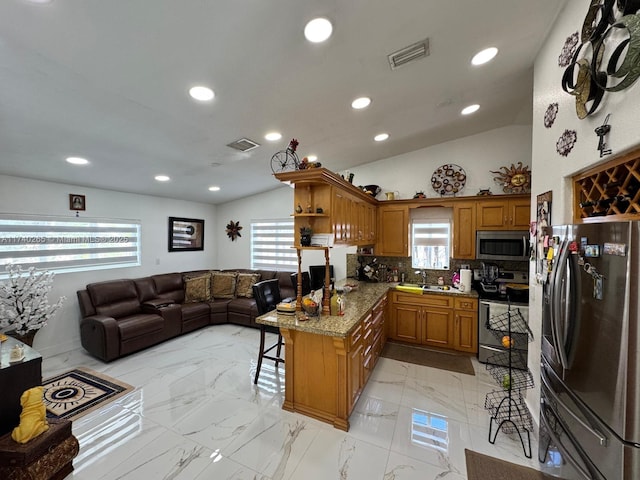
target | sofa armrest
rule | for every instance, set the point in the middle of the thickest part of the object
(156, 303)
(100, 336)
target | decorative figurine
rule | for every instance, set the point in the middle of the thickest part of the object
(33, 419)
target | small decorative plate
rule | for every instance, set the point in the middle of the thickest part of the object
(448, 179)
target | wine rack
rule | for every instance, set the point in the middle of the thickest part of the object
(608, 192)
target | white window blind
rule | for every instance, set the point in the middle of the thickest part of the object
(431, 238)
(63, 244)
(271, 245)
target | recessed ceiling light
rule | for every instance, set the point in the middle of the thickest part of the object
(381, 137)
(312, 158)
(162, 178)
(484, 56)
(199, 92)
(40, 1)
(362, 102)
(214, 189)
(318, 30)
(77, 160)
(470, 109)
(273, 136)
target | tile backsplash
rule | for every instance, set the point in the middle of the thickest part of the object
(385, 266)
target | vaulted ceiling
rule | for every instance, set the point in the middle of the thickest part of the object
(109, 81)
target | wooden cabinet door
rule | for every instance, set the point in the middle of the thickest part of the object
(406, 323)
(437, 330)
(464, 230)
(492, 214)
(465, 336)
(354, 369)
(337, 218)
(520, 213)
(393, 231)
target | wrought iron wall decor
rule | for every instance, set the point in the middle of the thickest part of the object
(608, 57)
(233, 230)
(514, 179)
(550, 115)
(601, 131)
(565, 143)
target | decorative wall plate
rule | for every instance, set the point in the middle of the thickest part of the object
(449, 179)
(565, 143)
(568, 50)
(550, 115)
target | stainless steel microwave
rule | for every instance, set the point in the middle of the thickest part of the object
(502, 245)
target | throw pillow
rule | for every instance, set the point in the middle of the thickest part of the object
(197, 289)
(223, 284)
(245, 283)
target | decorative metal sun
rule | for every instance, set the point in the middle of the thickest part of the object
(233, 230)
(514, 179)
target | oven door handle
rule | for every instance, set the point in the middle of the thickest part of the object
(554, 396)
(556, 440)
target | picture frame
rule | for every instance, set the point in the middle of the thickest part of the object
(543, 221)
(186, 234)
(77, 202)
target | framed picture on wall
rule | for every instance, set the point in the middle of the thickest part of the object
(186, 234)
(543, 220)
(77, 202)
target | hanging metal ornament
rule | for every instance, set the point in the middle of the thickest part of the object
(565, 143)
(601, 131)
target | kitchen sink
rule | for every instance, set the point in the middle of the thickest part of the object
(431, 288)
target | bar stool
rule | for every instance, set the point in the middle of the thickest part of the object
(267, 296)
(306, 283)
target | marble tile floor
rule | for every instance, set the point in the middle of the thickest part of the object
(196, 414)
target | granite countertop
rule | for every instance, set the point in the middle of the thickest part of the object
(358, 304)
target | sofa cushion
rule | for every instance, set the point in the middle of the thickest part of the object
(245, 283)
(197, 289)
(170, 286)
(137, 325)
(223, 284)
(194, 310)
(114, 298)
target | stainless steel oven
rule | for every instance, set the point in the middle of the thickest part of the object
(490, 349)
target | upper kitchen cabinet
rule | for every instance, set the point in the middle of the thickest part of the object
(330, 205)
(464, 230)
(504, 212)
(393, 231)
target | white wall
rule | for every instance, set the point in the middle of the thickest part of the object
(552, 171)
(18, 195)
(478, 155)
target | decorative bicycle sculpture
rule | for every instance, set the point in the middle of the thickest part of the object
(286, 160)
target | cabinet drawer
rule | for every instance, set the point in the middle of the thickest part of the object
(442, 301)
(466, 304)
(355, 336)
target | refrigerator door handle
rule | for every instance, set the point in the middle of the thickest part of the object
(558, 444)
(601, 438)
(556, 305)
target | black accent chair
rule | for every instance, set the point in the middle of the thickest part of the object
(306, 283)
(267, 296)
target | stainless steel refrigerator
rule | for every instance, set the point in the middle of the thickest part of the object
(590, 375)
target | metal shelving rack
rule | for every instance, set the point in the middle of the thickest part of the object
(507, 407)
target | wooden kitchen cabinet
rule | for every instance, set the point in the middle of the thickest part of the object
(436, 320)
(464, 230)
(355, 380)
(465, 332)
(505, 212)
(393, 231)
(348, 213)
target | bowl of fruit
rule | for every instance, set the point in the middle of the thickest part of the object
(310, 306)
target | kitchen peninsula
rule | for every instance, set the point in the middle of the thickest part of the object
(329, 358)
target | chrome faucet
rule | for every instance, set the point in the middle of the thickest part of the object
(423, 273)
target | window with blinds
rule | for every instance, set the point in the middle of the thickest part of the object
(431, 239)
(63, 244)
(271, 242)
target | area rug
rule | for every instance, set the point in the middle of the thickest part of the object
(79, 391)
(453, 362)
(482, 467)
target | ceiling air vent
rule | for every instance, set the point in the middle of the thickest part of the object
(409, 54)
(244, 145)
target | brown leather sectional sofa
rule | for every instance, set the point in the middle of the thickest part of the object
(120, 317)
